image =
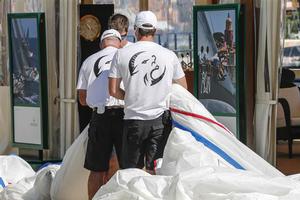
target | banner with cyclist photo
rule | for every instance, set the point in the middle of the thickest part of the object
(216, 55)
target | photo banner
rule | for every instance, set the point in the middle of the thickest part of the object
(27, 57)
(218, 64)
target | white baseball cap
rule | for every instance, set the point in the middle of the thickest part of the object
(145, 20)
(110, 33)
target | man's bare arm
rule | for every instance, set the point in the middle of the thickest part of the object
(82, 97)
(114, 88)
(181, 81)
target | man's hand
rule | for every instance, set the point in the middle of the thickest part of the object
(114, 88)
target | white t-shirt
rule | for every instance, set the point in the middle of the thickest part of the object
(85, 72)
(128, 44)
(93, 77)
(87, 67)
(147, 71)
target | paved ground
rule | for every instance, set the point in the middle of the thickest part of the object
(285, 164)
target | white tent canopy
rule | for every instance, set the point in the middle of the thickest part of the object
(268, 62)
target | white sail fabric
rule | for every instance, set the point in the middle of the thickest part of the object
(14, 168)
(190, 114)
(193, 169)
(21, 182)
(198, 174)
(202, 160)
(72, 178)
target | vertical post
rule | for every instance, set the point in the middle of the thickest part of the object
(190, 41)
(175, 41)
(144, 5)
(40, 155)
(159, 39)
(249, 70)
(3, 43)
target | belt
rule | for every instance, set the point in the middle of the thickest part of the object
(113, 107)
(109, 107)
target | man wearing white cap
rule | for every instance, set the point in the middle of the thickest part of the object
(107, 118)
(147, 71)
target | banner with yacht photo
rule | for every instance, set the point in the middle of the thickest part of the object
(27, 58)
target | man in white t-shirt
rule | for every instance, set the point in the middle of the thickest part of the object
(120, 23)
(147, 71)
(106, 124)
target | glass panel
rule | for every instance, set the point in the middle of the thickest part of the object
(26, 6)
(128, 8)
(291, 52)
(33, 5)
(175, 27)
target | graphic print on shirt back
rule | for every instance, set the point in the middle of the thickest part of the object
(99, 66)
(149, 61)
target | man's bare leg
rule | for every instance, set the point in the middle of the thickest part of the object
(95, 181)
(152, 172)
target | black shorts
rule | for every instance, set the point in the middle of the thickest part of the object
(144, 141)
(105, 131)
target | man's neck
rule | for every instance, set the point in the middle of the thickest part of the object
(124, 43)
(110, 46)
(147, 38)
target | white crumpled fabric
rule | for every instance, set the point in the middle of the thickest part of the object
(71, 179)
(211, 180)
(192, 170)
(13, 169)
(35, 187)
